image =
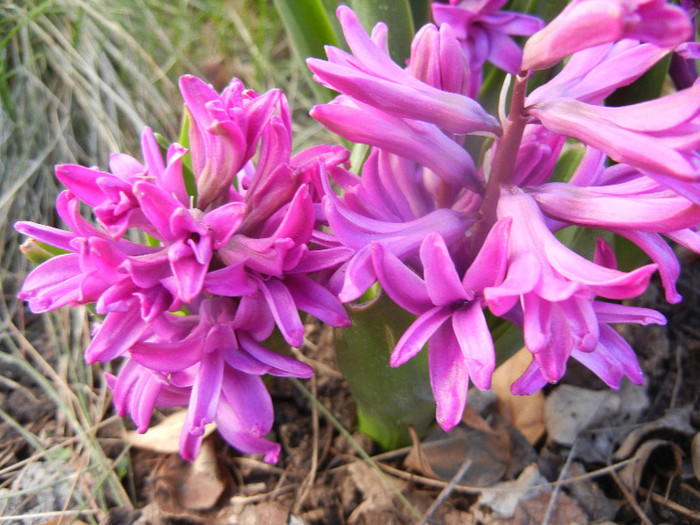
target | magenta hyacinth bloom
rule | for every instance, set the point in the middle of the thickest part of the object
(611, 358)
(450, 316)
(218, 363)
(396, 212)
(552, 288)
(371, 77)
(548, 290)
(189, 311)
(660, 137)
(484, 31)
(586, 23)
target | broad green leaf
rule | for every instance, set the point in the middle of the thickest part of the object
(507, 338)
(309, 28)
(647, 87)
(396, 14)
(420, 12)
(545, 9)
(331, 7)
(567, 162)
(389, 400)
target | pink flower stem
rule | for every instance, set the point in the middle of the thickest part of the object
(503, 161)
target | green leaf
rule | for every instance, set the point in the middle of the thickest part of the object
(358, 156)
(309, 28)
(545, 9)
(397, 15)
(389, 400)
(567, 162)
(507, 338)
(420, 12)
(647, 87)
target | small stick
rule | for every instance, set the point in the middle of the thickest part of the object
(447, 490)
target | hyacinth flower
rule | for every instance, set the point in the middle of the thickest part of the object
(586, 23)
(370, 70)
(453, 213)
(484, 31)
(645, 210)
(660, 137)
(219, 367)
(450, 316)
(110, 194)
(224, 132)
(225, 263)
(548, 291)
(554, 287)
(361, 218)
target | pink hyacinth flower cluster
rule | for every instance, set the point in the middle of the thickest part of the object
(190, 282)
(449, 234)
(197, 254)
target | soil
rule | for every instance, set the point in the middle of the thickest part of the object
(633, 465)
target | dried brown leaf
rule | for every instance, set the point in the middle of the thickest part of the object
(504, 503)
(488, 451)
(669, 462)
(695, 455)
(563, 510)
(569, 410)
(191, 490)
(164, 437)
(526, 413)
(674, 421)
(417, 461)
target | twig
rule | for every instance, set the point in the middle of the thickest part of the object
(631, 500)
(679, 378)
(558, 485)
(50, 514)
(313, 363)
(658, 498)
(311, 476)
(469, 489)
(449, 488)
(244, 500)
(695, 492)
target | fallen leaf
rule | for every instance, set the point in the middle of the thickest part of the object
(416, 460)
(504, 502)
(569, 410)
(563, 510)
(203, 486)
(379, 504)
(674, 421)
(526, 413)
(589, 496)
(192, 491)
(668, 463)
(265, 512)
(472, 418)
(488, 451)
(164, 437)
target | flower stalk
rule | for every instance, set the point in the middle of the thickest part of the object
(504, 157)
